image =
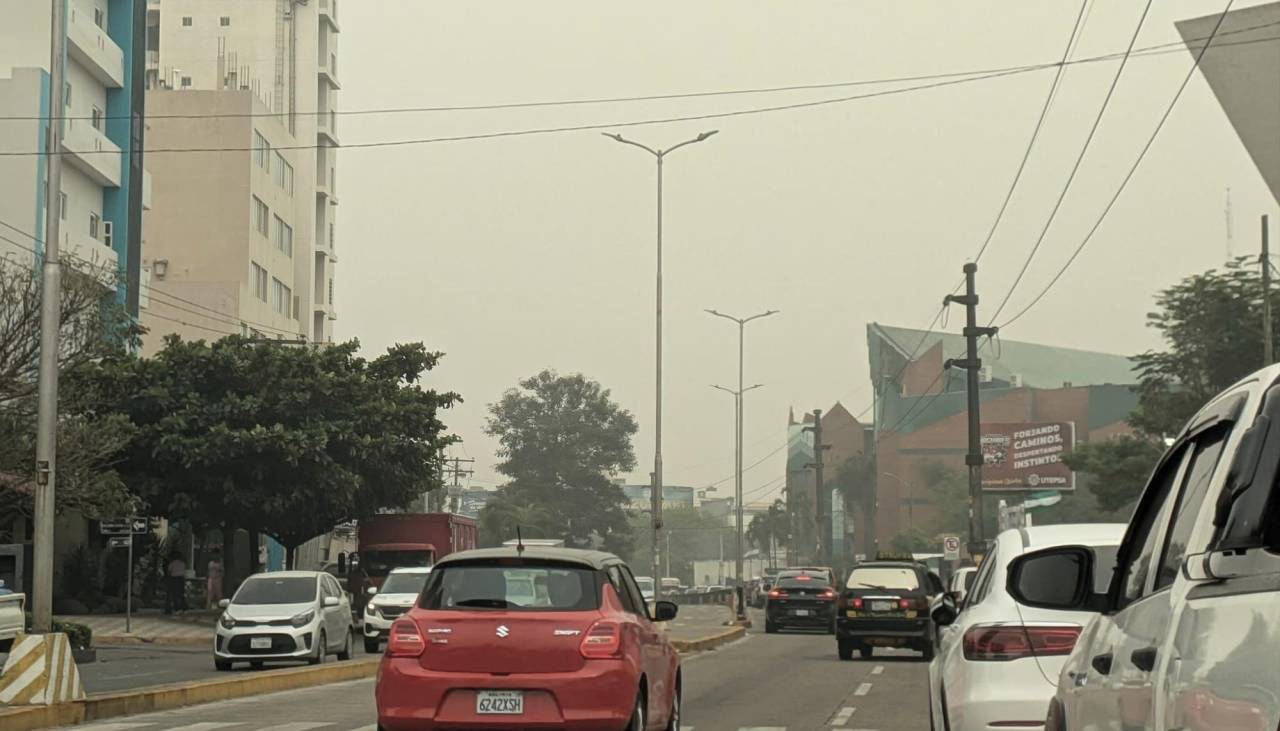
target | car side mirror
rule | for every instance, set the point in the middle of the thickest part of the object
(1055, 578)
(224, 603)
(371, 590)
(330, 601)
(945, 610)
(665, 611)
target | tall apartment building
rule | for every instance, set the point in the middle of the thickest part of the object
(104, 187)
(242, 239)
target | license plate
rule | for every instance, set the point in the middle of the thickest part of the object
(259, 643)
(801, 612)
(883, 606)
(500, 702)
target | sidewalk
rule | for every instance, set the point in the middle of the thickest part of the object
(149, 627)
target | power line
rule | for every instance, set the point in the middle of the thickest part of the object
(1035, 133)
(493, 106)
(1057, 206)
(1129, 175)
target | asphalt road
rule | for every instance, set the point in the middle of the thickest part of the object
(131, 667)
(760, 683)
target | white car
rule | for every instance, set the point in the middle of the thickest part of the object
(1187, 635)
(997, 663)
(12, 617)
(398, 593)
(961, 582)
(284, 615)
(646, 587)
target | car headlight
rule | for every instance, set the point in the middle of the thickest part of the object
(227, 621)
(373, 610)
(302, 620)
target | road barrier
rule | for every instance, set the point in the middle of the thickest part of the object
(720, 596)
(40, 671)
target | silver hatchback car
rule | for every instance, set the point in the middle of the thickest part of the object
(284, 615)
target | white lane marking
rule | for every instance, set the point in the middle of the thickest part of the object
(877, 670)
(297, 726)
(843, 716)
(370, 727)
(863, 689)
(117, 726)
(206, 726)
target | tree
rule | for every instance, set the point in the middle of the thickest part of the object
(92, 326)
(505, 512)
(286, 440)
(771, 529)
(688, 535)
(1118, 468)
(560, 439)
(1212, 324)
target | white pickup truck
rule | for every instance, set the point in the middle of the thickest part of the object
(12, 616)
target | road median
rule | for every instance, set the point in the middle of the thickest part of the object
(166, 697)
(710, 642)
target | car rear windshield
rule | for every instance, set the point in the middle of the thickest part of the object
(884, 577)
(536, 587)
(802, 582)
(282, 590)
(380, 563)
(404, 583)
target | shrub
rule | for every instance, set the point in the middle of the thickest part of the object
(80, 635)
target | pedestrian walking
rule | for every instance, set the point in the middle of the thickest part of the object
(176, 596)
(213, 589)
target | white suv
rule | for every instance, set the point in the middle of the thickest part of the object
(398, 594)
(1188, 633)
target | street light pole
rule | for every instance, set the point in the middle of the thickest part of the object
(655, 498)
(738, 421)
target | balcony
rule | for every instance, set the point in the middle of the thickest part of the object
(327, 186)
(93, 49)
(92, 153)
(329, 70)
(329, 14)
(92, 257)
(327, 128)
(146, 190)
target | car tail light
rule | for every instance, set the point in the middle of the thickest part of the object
(405, 639)
(827, 595)
(856, 603)
(904, 603)
(777, 594)
(603, 640)
(1013, 642)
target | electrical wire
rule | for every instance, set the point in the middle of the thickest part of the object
(1093, 130)
(1129, 175)
(1157, 49)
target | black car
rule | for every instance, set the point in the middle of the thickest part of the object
(886, 604)
(800, 601)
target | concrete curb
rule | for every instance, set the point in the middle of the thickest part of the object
(178, 695)
(710, 642)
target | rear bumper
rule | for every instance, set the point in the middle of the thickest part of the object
(904, 630)
(785, 616)
(994, 695)
(599, 696)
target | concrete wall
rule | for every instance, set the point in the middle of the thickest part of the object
(20, 95)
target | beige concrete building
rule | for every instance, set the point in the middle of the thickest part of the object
(242, 239)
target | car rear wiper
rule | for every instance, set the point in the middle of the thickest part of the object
(487, 603)
(877, 587)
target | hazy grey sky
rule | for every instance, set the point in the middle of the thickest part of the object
(518, 254)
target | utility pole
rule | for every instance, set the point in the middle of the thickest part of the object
(455, 490)
(972, 365)
(823, 506)
(50, 318)
(1268, 346)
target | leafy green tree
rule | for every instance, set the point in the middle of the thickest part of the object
(506, 512)
(688, 535)
(560, 439)
(286, 440)
(770, 529)
(92, 326)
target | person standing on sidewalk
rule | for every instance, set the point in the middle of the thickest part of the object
(213, 589)
(176, 598)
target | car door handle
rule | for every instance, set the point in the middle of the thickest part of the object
(1102, 663)
(1144, 659)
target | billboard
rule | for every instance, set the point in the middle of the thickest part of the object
(1027, 456)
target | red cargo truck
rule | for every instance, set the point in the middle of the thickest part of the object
(394, 540)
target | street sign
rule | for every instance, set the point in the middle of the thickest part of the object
(125, 526)
(951, 548)
(119, 541)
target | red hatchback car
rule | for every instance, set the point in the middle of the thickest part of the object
(505, 638)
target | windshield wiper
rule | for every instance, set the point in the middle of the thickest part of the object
(874, 586)
(487, 603)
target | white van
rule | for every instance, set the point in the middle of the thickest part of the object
(1188, 634)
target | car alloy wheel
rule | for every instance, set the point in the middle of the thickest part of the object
(322, 648)
(348, 646)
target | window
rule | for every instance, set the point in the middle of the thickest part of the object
(67, 100)
(620, 587)
(1194, 490)
(107, 231)
(281, 298)
(284, 237)
(186, 82)
(331, 241)
(288, 177)
(100, 17)
(1144, 530)
(96, 118)
(225, 21)
(902, 578)
(331, 290)
(259, 276)
(186, 21)
(276, 590)
(530, 587)
(637, 597)
(261, 217)
(94, 220)
(62, 206)
(261, 151)
(279, 170)
(982, 583)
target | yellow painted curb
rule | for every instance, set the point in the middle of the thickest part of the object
(178, 695)
(710, 642)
